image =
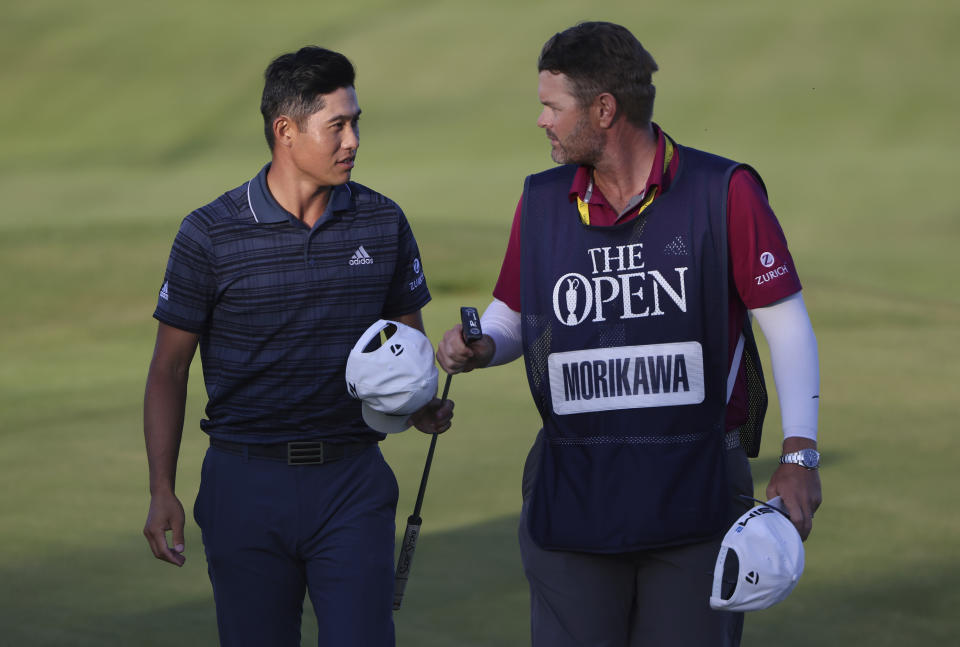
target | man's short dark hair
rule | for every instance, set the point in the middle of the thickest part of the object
(294, 84)
(602, 57)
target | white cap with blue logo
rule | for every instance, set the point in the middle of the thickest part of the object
(393, 379)
(760, 562)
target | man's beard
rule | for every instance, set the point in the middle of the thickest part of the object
(583, 146)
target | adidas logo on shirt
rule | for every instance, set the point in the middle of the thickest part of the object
(163, 291)
(361, 257)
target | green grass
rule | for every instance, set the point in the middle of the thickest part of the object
(119, 118)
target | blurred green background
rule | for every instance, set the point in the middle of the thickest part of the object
(118, 118)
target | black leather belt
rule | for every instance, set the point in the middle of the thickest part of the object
(307, 452)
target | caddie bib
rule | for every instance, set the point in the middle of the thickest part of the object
(626, 350)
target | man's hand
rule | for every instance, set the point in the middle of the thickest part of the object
(166, 513)
(455, 356)
(163, 409)
(434, 417)
(798, 487)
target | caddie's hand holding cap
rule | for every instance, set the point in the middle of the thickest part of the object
(394, 379)
(761, 559)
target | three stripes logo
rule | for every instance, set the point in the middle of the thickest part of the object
(164, 293)
(361, 257)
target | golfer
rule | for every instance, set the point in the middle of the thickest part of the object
(276, 280)
(631, 275)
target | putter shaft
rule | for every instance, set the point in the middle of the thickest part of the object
(433, 445)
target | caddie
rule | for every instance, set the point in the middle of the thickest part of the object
(275, 281)
(631, 276)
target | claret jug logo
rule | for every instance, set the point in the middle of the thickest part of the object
(619, 287)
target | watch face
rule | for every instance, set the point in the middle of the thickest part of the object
(809, 458)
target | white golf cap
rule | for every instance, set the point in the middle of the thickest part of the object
(394, 379)
(760, 560)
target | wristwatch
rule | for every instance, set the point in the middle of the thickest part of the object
(808, 458)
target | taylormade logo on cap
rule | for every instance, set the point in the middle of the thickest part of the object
(393, 379)
(760, 562)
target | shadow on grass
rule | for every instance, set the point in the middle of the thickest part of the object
(466, 589)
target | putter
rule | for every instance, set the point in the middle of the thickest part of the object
(470, 320)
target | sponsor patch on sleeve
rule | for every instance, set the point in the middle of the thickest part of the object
(626, 377)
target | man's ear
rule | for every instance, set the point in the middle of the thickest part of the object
(605, 108)
(284, 130)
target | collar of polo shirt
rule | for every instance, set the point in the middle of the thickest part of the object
(266, 209)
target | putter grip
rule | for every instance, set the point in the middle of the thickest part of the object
(470, 320)
(407, 548)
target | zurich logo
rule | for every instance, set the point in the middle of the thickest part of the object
(767, 259)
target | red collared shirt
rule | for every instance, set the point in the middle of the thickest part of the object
(761, 268)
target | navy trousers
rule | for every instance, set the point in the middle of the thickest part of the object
(273, 532)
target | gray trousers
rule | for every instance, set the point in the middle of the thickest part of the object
(652, 598)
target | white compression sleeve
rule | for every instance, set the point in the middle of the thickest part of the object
(793, 352)
(503, 326)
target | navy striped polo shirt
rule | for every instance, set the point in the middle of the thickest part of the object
(278, 306)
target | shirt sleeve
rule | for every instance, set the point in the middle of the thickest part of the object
(762, 268)
(189, 285)
(408, 288)
(508, 286)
